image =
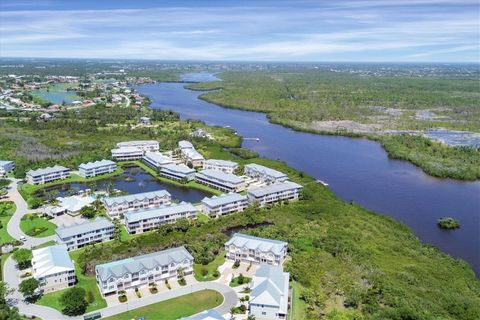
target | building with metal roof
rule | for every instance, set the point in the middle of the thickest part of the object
(48, 174)
(156, 160)
(246, 248)
(92, 169)
(127, 153)
(211, 314)
(216, 206)
(264, 174)
(137, 201)
(227, 182)
(53, 268)
(145, 145)
(5, 167)
(79, 235)
(177, 172)
(222, 165)
(283, 191)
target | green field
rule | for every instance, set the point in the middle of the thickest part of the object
(7, 208)
(37, 227)
(173, 309)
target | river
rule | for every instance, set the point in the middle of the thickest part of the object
(356, 169)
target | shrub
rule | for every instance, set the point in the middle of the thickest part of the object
(122, 298)
(216, 274)
(236, 264)
(204, 271)
(182, 281)
(23, 257)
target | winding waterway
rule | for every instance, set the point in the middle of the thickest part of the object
(356, 169)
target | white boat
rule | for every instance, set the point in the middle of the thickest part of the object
(322, 182)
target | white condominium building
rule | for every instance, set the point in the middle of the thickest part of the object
(189, 154)
(222, 165)
(53, 269)
(137, 201)
(220, 180)
(274, 193)
(48, 174)
(156, 160)
(6, 167)
(269, 293)
(264, 174)
(137, 271)
(127, 153)
(79, 235)
(146, 220)
(145, 145)
(177, 172)
(211, 314)
(92, 169)
(245, 248)
(224, 204)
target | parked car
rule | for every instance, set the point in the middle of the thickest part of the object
(23, 238)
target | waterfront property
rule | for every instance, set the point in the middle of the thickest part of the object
(217, 206)
(269, 293)
(127, 153)
(146, 220)
(5, 167)
(211, 314)
(92, 169)
(227, 182)
(53, 269)
(189, 154)
(222, 165)
(178, 172)
(283, 191)
(70, 205)
(156, 160)
(145, 145)
(138, 271)
(264, 174)
(48, 174)
(138, 201)
(79, 235)
(245, 248)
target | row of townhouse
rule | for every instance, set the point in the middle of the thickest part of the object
(250, 249)
(92, 169)
(141, 270)
(189, 154)
(156, 160)
(178, 172)
(5, 167)
(268, 194)
(48, 174)
(134, 150)
(122, 204)
(146, 220)
(226, 182)
(224, 204)
(221, 165)
(79, 235)
(264, 174)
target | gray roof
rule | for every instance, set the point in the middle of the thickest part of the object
(136, 197)
(273, 188)
(150, 261)
(270, 287)
(253, 243)
(47, 170)
(220, 175)
(219, 162)
(5, 162)
(266, 170)
(184, 144)
(127, 150)
(96, 164)
(211, 314)
(179, 168)
(193, 154)
(223, 199)
(136, 143)
(90, 225)
(159, 212)
(157, 157)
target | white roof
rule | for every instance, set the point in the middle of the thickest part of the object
(47, 170)
(51, 260)
(223, 163)
(135, 143)
(179, 168)
(184, 144)
(223, 199)
(266, 170)
(211, 314)
(73, 203)
(192, 154)
(86, 226)
(159, 212)
(136, 197)
(270, 287)
(96, 164)
(157, 157)
(256, 243)
(127, 150)
(220, 175)
(273, 188)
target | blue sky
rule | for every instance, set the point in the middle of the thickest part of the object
(336, 30)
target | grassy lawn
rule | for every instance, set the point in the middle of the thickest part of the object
(202, 217)
(7, 208)
(86, 282)
(3, 259)
(211, 267)
(235, 283)
(173, 309)
(45, 244)
(37, 227)
(298, 306)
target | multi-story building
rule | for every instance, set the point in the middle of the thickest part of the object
(269, 293)
(79, 235)
(211, 314)
(227, 182)
(189, 154)
(245, 248)
(92, 169)
(6, 167)
(283, 191)
(264, 174)
(156, 160)
(48, 174)
(53, 269)
(217, 206)
(146, 220)
(177, 172)
(138, 271)
(145, 145)
(127, 153)
(222, 165)
(137, 201)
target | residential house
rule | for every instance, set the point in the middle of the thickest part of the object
(48, 174)
(92, 169)
(138, 201)
(246, 248)
(283, 191)
(224, 204)
(220, 180)
(6, 167)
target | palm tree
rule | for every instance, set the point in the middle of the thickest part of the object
(232, 313)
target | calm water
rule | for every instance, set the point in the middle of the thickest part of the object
(57, 94)
(455, 138)
(132, 180)
(356, 169)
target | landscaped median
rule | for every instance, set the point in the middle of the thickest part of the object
(35, 226)
(7, 208)
(209, 272)
(175, 308)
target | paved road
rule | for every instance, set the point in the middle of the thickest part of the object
(13, 227)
